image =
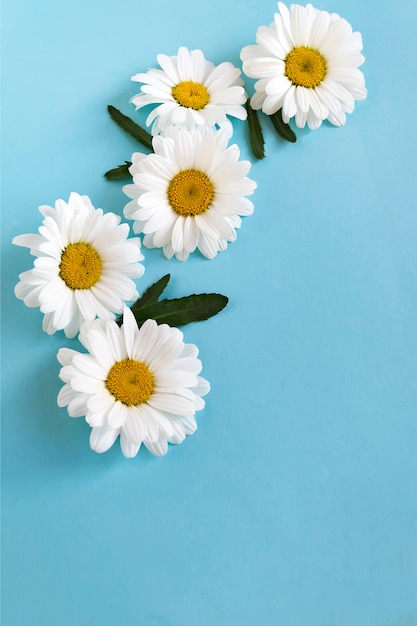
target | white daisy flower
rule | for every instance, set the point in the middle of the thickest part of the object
(189, 193)
(84, 266)
(190, 91)
(142, 384)
(307, 65)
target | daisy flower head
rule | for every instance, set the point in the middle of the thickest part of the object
(141, 384)
(190, 91)
(307, 65)
(84, 266)
(190, 193)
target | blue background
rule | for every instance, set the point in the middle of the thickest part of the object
(295, 502)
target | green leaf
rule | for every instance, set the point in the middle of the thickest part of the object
(283, 129)
(130, 127)
(255, 132)
(152, 293)
(182, 311)
(121, 171)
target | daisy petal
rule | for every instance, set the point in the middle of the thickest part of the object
(102, 438)
(159, 448)
(128, 448)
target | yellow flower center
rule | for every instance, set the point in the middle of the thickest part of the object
(305, 67)
(80, 266)
(131, 382)
(191, 95)
(190, 192)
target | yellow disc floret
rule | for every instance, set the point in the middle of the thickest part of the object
(190, 192)
(191, 95)
(305, 67)
(131, 382)
(80, 266)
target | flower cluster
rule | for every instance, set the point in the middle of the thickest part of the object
(190, 193)
(139, 383)
(138, 380)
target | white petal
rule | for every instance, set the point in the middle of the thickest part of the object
(208, 246)
(300, 25)
(145, 341)
(190, 234)
(118, 415)
(78, 405)
(65, 355)
(266, 36)
(86, 384)
(94, 418)
(116, 341)
(130, 332)
(166, 349)
(135, 427)
(289, 108)
(102, 438)
(158, 448)
(65, 396)
(100, 403)
(96, 342)
(203, 386)
(184, 64)
(88, 365)
(189, 424)
(177, 240)
(169, 66)
(175, 378)
(319, 29)
(171, 403)
(129, 449)
(86, 303)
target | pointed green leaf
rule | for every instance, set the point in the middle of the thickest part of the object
(121, 171)
(283, 129)
(130, 127)
(256, 137)
(152, 293)
(182, 311)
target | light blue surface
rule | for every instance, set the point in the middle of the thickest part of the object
(295, 502)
